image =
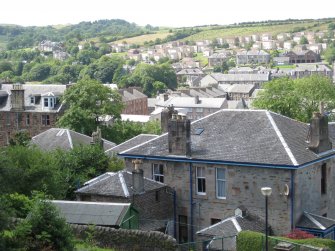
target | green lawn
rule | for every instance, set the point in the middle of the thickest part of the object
(200, 57)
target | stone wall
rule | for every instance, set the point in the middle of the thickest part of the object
(130, 240)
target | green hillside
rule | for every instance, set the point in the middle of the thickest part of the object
(244, 30)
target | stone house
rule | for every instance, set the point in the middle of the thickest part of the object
(135, 101)
(195, 107)
(252, 57)
(33, 108)
(218, 58)
(239, 91)
(220, 162)
(304, 56)
(188, 75)
(148, 196)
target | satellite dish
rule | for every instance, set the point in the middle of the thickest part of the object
(286, 190)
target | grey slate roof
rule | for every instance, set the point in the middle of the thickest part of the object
(139, 139)
(117, 184)
(313, 221)
(220, 77)
(241, 88)
(190, 102)
(65, 139)
(247, 136)
(233, 225)
(30, 90)
(97, 213)
(193, 71)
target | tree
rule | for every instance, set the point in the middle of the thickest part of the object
(43, 229)
(86, 101)
(298, 98)
(329, 54)
(303, 40)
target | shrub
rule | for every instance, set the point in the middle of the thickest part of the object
(298, 234)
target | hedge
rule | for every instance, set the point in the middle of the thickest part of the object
(248, 240)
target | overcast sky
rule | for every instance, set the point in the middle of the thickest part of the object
(175, 13)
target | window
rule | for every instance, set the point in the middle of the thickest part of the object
(158, 172)
(45, 120)
(49, 102)
(32, 100)
(201, 180)
(8, 119)
(221, 183)
(183, 229)
(199, 109)
(324, 178)
(27, 119)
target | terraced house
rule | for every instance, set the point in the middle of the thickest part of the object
(219, 163)
(34, 108)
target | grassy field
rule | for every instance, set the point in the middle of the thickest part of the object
(143, 38)
(244, 31)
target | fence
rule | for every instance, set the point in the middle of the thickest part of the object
(229, 244)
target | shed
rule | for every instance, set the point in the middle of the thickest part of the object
(117, 215)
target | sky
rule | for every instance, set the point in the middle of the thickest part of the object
(170, 13)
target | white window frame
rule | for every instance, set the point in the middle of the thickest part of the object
(49, 102)
(32, 100)
(200, 175)
(45, 119)
(156, 174)
(220, 180)
(199, 109)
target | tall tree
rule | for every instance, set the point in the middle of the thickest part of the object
(298, 98)
(86, 101)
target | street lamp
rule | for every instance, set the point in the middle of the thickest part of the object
(266, 191)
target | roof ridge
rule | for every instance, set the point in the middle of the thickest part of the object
(123, 184)
(130, 140)
(316, 222)
(281, 138)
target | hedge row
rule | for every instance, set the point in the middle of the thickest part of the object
(248, 240)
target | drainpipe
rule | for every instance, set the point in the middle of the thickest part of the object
(191, 202)
(175, 214)
(292, 199)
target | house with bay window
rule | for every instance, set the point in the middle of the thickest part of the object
(219, 163)
(30, 107)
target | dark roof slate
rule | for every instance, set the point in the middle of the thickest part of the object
(64, 139)
(233, 225)
(139, 139)
(313, 221)
(248, 136)
(117, 184)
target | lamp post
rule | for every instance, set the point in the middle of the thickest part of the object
(266, 191)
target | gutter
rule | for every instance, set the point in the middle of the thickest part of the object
(222, 162)
(191, 201)
(292, 192)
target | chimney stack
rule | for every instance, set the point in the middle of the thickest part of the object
(179, 137)
(97, 139)
(166, 115)
(318, 139)
(17, 97)
(197, 100)
(138, 179)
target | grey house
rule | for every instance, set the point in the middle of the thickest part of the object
(219, 162)
(148, 196)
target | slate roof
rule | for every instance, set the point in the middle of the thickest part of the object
(241, 88)
(220, 77)
(233, 225)
(243, 136)
(97, 213)
(31, 90)
(313, 221)
(190, 102)
(65, 139)
(137, 140)
(117, 184)
(193, 71)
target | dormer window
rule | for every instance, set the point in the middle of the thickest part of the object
(49, 102)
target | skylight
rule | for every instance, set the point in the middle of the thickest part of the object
(198, 131)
